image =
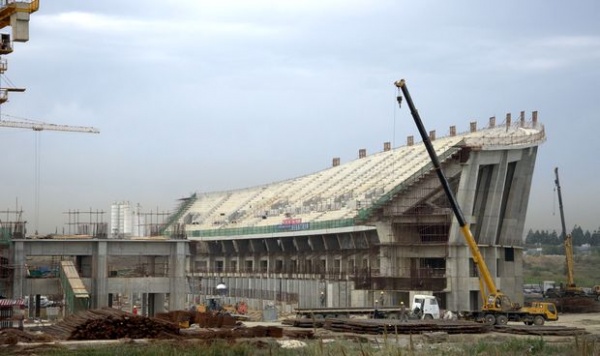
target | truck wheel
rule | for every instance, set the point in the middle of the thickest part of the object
(428, 317)
(489, 319)
(539, 320)
(501, 320)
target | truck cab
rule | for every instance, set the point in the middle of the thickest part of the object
(425, 307)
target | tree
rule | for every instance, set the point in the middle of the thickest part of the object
(578, 236)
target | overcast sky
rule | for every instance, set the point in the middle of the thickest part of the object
(194, 95)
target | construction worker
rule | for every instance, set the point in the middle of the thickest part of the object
(403, 313)
(322, 298)
(381, 298)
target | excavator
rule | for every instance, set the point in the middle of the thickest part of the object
(571, 289)
(497, 308)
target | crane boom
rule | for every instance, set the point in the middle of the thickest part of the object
(464, 227)
(41, 126)
(497, 307)
(567, 238)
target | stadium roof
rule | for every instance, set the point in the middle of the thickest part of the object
(334, 197)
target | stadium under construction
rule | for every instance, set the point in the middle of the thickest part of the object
(371, 230)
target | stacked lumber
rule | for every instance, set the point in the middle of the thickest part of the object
(109, 323)
(544, 330)
(304, 322)
(182, 318)
(378, 326)
(235, 333)
(214, 320)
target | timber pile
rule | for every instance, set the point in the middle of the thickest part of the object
(544, 330)
(212, 320)
(235, 333)
(378, 326)
(576, 304)
(109, 323)
(202, 319)
(304, 322)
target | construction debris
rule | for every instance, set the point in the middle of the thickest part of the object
(576, 304)
(109, 323)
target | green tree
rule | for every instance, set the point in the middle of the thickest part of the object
(578, 236)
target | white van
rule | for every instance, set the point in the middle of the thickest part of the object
(425, 307)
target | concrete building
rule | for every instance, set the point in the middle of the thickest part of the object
(337, 237)
(380, 223)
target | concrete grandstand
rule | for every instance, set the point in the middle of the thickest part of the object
(373, 230)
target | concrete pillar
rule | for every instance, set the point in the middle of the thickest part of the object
(159, 303)
(99, 275)
(144, 306)
(178, 282)
(20, 273)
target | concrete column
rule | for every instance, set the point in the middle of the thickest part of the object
(20, 272)
(144, 306)
(99, 275)
(159, 303)
(178, 281)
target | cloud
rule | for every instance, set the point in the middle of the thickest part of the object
(544, 54)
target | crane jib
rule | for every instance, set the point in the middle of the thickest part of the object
(466, 231)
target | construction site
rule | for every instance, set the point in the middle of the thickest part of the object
(439, 218)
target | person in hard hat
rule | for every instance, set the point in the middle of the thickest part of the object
(403, 313)
(322, 297)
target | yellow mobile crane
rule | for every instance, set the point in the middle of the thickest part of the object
(497, 307)
(571, 289)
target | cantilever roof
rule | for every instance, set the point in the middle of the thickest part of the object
(339, 192)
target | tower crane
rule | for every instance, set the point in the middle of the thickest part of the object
(38, 127)
(16, 14)
(43, 126)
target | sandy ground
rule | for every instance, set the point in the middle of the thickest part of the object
(588, 321)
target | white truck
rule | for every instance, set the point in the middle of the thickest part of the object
(422, 307)
(425, 307)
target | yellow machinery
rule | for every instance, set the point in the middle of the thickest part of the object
(497, 307)
(571, 288)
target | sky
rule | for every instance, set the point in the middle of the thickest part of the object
(200, 96)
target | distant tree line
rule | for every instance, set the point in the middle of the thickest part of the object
(545, 237)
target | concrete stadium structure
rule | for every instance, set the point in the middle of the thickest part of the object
(372, 230)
